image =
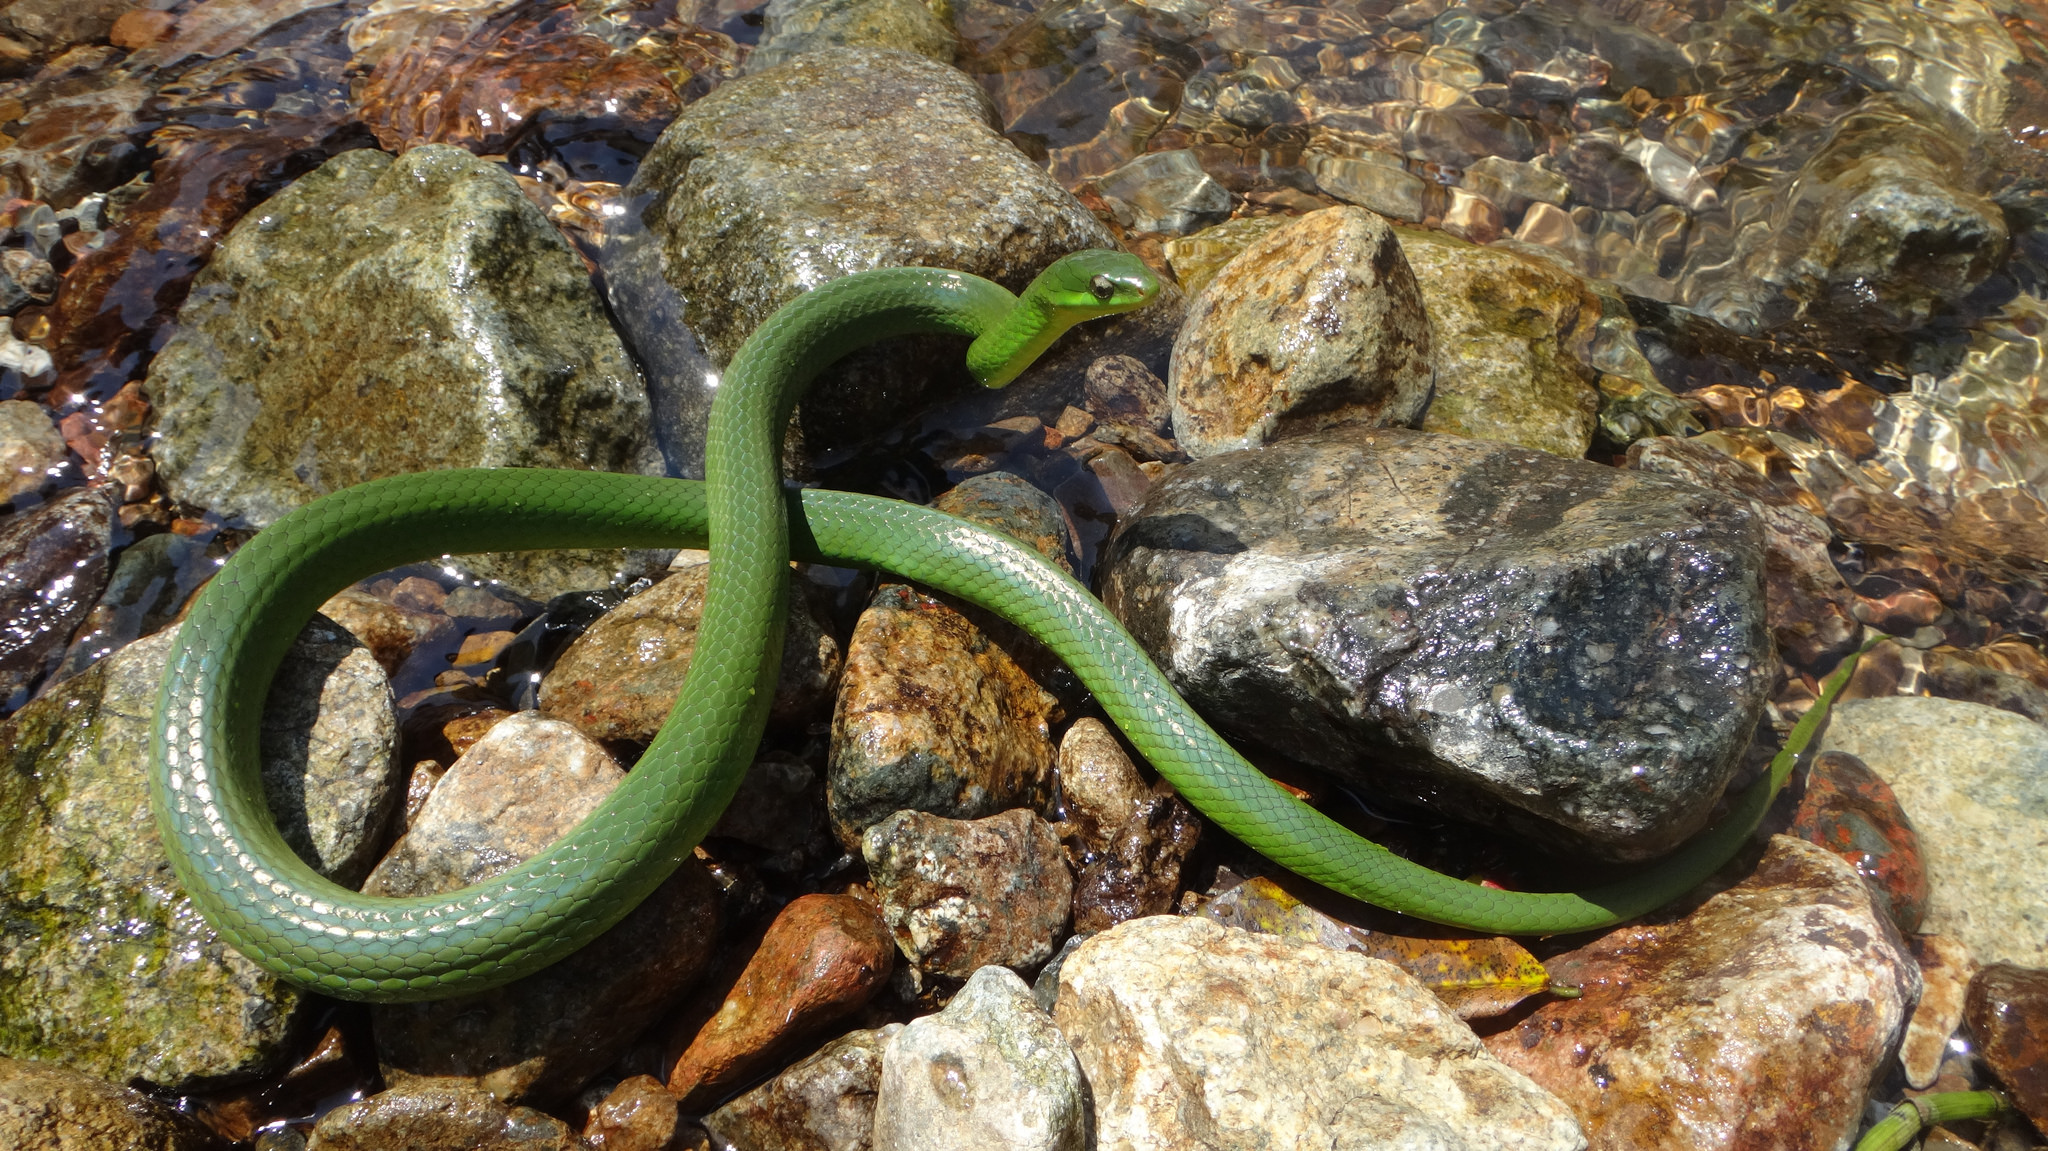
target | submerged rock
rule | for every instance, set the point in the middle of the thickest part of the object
(1571, 651)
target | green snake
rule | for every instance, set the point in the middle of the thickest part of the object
(266, 902)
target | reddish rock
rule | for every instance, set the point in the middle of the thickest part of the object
(2007, 1013)
(1755, 1022)
(821, 960)
(447, 81)
(1851, 812)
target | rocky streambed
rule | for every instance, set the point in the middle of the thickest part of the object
(1545, 396)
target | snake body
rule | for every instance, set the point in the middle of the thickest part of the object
(265, 901)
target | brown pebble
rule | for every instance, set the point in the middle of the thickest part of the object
(821, 960)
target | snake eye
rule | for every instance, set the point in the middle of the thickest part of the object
(1102, 288)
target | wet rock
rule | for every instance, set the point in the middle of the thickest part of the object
(839, 160)
(513, 364)
(53, 566)
(1791, 988)
(1515, 185)
(1506, 330)
(1880, 229)
(934, 714)
(1099, 785)
(511, 794)
(24, 279)
(962, 894)
(619, 679)
(1196, 259)
(54, 1108)
(1123, 389)
(508, 84)
(1137, 873)
(1375, 181)
(105, 963)
(821, 960)
(392, 632)
(825, 1103)
(794, 27)
(1847, 809)
(2007, 1013)
(1315, 325)
(1560, 648)
(778, 810)
(638, 1115)
(1805, 599)
(1165, 192)
(153, 580)
(1475, 976)
(1011, 505)
(1195, 1035)
(72, 143)
(1974, 781)
(1946, 970)
(989, 1071)
(439, 1117)
(31, 450)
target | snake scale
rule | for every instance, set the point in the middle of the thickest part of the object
(205, 777)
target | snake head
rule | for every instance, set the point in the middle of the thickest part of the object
(1077, 287)
(1095, 282)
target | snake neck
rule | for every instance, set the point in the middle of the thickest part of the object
(1013, 341)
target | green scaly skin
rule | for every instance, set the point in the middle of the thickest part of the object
(227, 852)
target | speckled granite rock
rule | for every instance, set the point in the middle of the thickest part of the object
(933, 715)
(1974, 781)
(1790, 990)
(1197, 1036)
(389, 315)
(104, 964)
(30, 448)
(962, 894)
(990, 1072)
(1575, 652)
(824, 1103)
(1313, 325)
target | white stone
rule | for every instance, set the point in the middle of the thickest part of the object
(1194, 1035)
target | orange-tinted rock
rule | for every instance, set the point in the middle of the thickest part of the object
(1756, 1021)
(821, 960)
(639, 1115)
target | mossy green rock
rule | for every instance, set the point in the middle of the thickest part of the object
(105, 965)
